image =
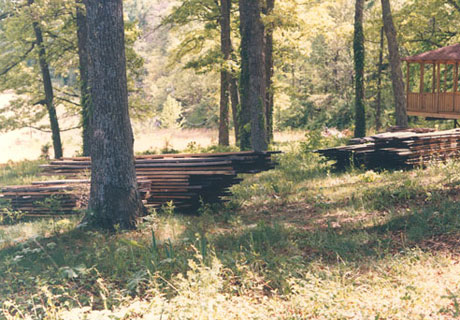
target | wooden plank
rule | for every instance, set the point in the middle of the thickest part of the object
(444, 115)
(455, 85)
(438, 86)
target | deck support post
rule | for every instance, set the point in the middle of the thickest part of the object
(422, 80)
(438, 86)
(407, 85)
(446, 68)
(455, 86)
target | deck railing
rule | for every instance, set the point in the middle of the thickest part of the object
(442, 105)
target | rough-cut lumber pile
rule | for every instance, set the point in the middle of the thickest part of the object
(185, 179)
(397, 149)
(45, 198)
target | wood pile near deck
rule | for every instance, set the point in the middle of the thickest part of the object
(185, 179)
(397, 149)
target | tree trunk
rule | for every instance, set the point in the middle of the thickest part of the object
(378, 108)
(235, 98)
(269, 101)
(253, 94)
(114, 199)
(226, 45)
(82, 34)
(48, 87)
(359, 56)
(395, 63)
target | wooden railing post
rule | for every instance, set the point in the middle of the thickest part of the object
(438, 86)
(408, 85)
(445, 76)
(455, 85)
(421, 97)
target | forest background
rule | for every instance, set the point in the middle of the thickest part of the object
(174, 62)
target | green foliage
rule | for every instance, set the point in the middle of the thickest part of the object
(52, 204)
(7, 214)
(16, 173)
(171, 113)
(20, 69)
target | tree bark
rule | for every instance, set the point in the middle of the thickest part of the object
(235, 99)
(359, 56)
(378, 108)
(395, 63)
(114, 199)
(82, 35)
(226, 45)
(48, 87)
(269, 99)
(253, 83)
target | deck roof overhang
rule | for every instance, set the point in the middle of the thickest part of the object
(446, 55)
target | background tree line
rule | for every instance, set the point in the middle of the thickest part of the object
(186, 62)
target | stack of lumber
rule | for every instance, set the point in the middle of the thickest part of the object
(185, 179)
(44, 198)
(397, 149)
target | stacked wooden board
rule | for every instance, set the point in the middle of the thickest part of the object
(397, 149)
(185, 179)
(45, 198)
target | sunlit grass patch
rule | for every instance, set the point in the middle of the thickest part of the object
(24, 231)
(16, 173)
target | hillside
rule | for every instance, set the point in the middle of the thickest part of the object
(299, 242)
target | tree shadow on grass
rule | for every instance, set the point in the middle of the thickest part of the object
(432, 228)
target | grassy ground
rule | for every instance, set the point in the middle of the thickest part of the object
(299, 242)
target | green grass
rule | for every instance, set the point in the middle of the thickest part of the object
(18, 173)
(298, 242)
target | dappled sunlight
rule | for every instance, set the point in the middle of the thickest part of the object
(11, 235)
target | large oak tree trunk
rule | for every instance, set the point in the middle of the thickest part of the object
(226, 46)
(395, 63)
(253, 83)
(359, 56)
(82, 34)
(269, 99)
(48, 87)
(114, 199)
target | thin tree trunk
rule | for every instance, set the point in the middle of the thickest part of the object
(335, 73)
(252, 126)
(114, 199)
(395, 63)
(48, 87)
(224, 139)
(82, 34)
(235, 99)
(269, 100)
(378, 108)
(226, 44)
(359, 56)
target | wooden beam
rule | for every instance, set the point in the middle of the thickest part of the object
(445, 77)
(434, 115)
(455, 86)
(422, 75)
(433, 85)
(438, 86)
(407, 84)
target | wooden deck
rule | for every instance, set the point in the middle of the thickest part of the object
(445, 105)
